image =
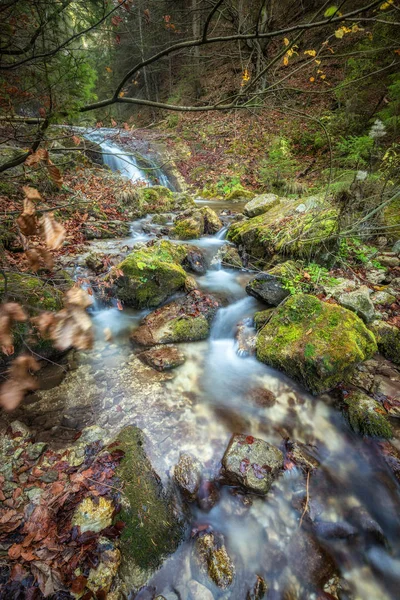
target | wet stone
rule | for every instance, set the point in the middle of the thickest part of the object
(259, 590)
(208, 495)
(187, 475)
(35, 450)
(211, 561)
(267, 288)
(251, 463)
(195, 262)
(163, 358)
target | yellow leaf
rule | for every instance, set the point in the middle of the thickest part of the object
(310, 52)
(323, 76)
(319, 71)
(121, 94)
(108, 69)
(339, 33)
(312, 79)
(286, 42)
(386, 5)
(286, 60)
(318, 62)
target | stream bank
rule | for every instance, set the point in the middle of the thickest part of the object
(328, 525)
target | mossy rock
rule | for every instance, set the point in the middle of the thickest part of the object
(103, 230)
(193, 223)
(186, 319)
(188, 229)
(316, 343)
(261, 204)
(391, 219)
(183, 201)
(262, 317)
(34, 294)
(155, 199)
(238, 193)
(282, 230)
(151, 274)
(152, 530)
(388, 338)
(366, 416)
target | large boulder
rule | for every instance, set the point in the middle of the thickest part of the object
(260, 204)
(366, 416)
(152, 529)
(388, 338)
(193, 223)
(284, 230)
(316, 343)
(150, 274)
(187, 319)
(251, 463)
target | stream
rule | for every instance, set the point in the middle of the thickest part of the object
(195, 408)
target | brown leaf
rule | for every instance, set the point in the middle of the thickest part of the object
(48, 580)
(37, 157)
(54, 232)
(15, 551)
(31, 193)
(15, 311)
(13, 390)
(55, 173)
(76, 296)
(33, 259)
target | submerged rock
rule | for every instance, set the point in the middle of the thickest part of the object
(246, 338)
(309, 561)
(163, 358)
(95, 261)
(187, 319)
(388, 339)
(151, 274)
(187, 475)
(366, 416)
(260, 204)
(198, 591)
(317, 343)
(251, 463)
(211, 562)
(359, 302)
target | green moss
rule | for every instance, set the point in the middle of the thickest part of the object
(151, 529)
(314, 342)
(32, 292)
(190, 328)
(152, 274)
(187, 229)
(262, 317)
(388, 338)
(366, 416)
(283, 230)
(391, 218)
(238, 193)
(155, 199)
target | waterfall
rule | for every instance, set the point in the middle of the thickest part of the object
(123, 160)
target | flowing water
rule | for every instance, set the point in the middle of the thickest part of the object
(196, 408)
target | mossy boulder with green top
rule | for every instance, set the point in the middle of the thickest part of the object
(151, 274)
(152, 529)
(187, 319)
(261, 204)
(193, 223)
(283, 230)
(316, 343)
(366, 416)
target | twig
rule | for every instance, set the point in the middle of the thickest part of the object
(307, 499)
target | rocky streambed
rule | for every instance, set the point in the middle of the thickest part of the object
(249, 430)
